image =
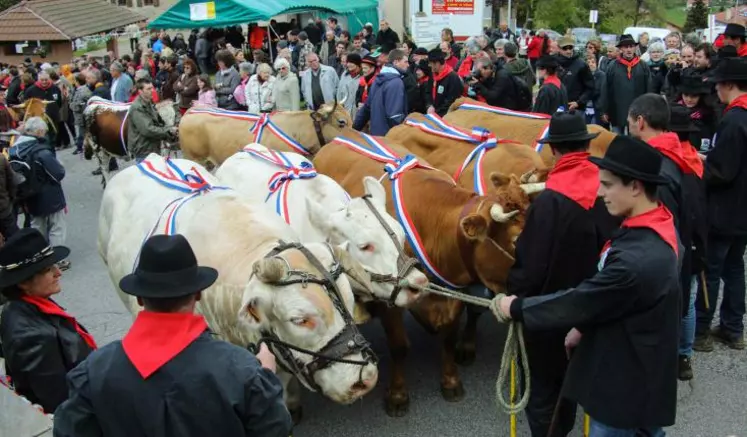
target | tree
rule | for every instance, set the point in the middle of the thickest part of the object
(5, 4)
(697, 16)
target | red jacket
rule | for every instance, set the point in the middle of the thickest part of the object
(534, 49)
(466, 68)
(452, 61)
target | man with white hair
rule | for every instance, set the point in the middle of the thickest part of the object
(318, 83)
(45, 89)
(41, 194)
(121, 88)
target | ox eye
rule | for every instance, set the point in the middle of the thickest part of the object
(368, 247)
(304, 322)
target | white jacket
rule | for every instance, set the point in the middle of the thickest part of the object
(259, 97)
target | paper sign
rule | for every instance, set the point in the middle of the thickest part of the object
(202, 11)
(464, 7)
(593, 16)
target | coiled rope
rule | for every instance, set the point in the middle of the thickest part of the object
(513, 349)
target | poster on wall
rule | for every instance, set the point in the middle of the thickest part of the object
(461, 7)
(426, 30)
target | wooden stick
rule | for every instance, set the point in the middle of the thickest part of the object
(587, 425)
(705, 290)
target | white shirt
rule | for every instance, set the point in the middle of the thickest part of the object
(113, 89)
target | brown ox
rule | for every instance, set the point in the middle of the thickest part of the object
(523, 130)
(468, 238)
(33, 107)
(448, 154)
(213, 135)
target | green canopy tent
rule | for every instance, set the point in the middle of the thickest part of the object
(189, 14)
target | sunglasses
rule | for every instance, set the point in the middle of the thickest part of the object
(568, 48)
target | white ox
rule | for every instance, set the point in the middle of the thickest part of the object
(248, 301)
(319, 209)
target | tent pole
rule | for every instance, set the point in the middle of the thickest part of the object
(269, 41)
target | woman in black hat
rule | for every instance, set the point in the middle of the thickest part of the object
(696, 97)
(552, 96)
(41, 342)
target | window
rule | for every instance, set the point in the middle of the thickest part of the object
(28, 48)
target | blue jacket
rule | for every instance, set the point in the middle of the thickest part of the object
(51, 198)
(124, 88)
(386, 105)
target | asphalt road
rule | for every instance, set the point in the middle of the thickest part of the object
(715, 405)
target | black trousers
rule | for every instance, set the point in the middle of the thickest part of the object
(547, 365)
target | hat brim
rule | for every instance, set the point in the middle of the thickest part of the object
(570, 137)
(684, 128)
(694, 90)
(627, 42)
(624, 170)
(716, 78)
(134, 285)
(13, 277)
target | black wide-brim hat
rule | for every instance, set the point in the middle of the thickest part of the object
(25, 254)
(167, 268)
(694, 84)
(547, 61)
(680, 121)
(729, 69)
(626, 40)
(567, 127)
(735, 30)
(627, 156)
(436, 55)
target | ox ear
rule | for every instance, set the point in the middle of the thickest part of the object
(499, 179)
(474, 227)
(359, 278)
(317, 116)
(252, 313)
(374, 189)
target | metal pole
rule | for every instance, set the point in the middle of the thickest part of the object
(508, 21)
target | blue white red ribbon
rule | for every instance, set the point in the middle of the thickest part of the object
(264, 121)
(217, 112)
(279, 183)
(503, 111)
(395, 167)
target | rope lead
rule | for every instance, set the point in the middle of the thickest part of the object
(514, 350)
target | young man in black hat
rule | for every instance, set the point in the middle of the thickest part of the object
(698, 97)
(627, 78)
(623, 370)
(168, 376)
(726, 184)
(552, 95)
(734, 35)
(386, 105)
(447, 87)
(565, 229)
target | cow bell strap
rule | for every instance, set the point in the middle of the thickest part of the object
(318, 130)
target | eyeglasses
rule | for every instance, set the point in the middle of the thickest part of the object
(568, 48)
(47, 251)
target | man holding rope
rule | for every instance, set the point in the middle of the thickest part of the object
(625, 318)
(566, 227)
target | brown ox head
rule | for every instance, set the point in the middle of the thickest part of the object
(491, 227)
(332, 119)
(32, 107)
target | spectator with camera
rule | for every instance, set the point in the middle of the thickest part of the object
(493, 85)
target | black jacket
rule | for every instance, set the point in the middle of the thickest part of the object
(550, 98)
(577, 79)
(211, 388)
(39, 350)
(624, 370)
(620, 91)
(13, 95)
(51, 198)
(659, 72)
(411, 89)
(102, 91)
(726, 176)
(388, 37)
(52, 94)
(448, 90)
(499, 90)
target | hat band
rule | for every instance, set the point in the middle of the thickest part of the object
(47, 251)
(167, 278)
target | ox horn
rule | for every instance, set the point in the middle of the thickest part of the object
(344, 98)
(527, 177)
(533, 188)
(360, 280)
(497, 214)
(270, 270)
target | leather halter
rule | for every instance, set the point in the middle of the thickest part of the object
(465, 245)
(349, 341)
(318, 130)
(405, 264)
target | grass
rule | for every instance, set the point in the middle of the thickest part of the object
(91, 46)
(676, 15)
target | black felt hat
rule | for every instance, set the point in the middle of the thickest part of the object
(566, 127)
(421, 51)
(355, 58)
(167, 268)
(25, 254)
(370, 60)
(436, 55)
(548, 61)
(734, 29)
(729, 69)
(680, 121)
(626, 40)
(633, 158)
(692, 82)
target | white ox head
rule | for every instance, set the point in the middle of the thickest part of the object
(304, 315)
(361, 233)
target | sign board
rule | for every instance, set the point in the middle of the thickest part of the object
(202, 11)
(463, 7)
(593, 16)
(426, 29)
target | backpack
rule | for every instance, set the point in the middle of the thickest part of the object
(523, 94)
(29, 174)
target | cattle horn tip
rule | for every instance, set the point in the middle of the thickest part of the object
(497, 214)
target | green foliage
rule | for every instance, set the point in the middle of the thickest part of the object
(559, 15)
(697, 16)
(5, 4)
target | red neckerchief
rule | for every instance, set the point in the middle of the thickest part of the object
(39, 85)
(690, 155)
(669, 145)
(739, 102)
(553, 80)
(575, 177)
(742, 52)
(365, 84)
(439, 77)
(50, 307)
(423, 80)
(659, 220)
(156, 338)
(630, 64)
